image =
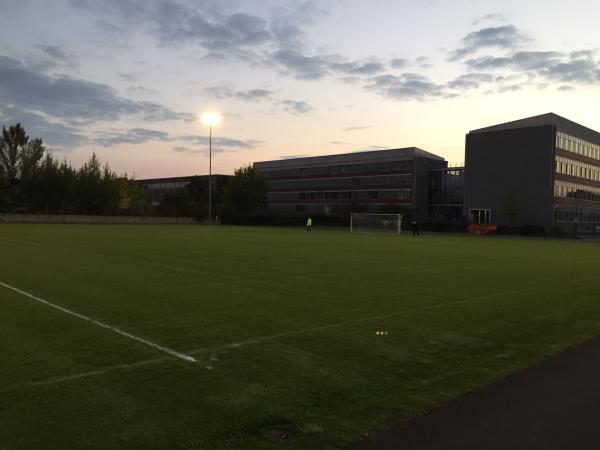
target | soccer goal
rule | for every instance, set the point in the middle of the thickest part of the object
(375, 223)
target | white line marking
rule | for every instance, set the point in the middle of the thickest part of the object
(256, 340)
(101, 324)
(91, 373)
(347, 323)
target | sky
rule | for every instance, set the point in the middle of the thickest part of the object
(129, 79)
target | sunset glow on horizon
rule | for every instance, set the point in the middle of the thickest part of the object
(294, 78)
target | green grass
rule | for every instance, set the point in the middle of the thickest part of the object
(459, 311)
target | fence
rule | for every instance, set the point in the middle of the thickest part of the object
(83, 219)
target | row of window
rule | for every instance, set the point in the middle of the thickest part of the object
(404, 164)
(577, 145)
(346, 195)
(346, 168)
(577, 168)
(167, 185)
(588, 215)
(565, 189)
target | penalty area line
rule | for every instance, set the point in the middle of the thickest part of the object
(106, 326)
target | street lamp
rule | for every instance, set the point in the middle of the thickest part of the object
(210, 119)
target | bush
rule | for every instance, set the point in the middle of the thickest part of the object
(522, 230)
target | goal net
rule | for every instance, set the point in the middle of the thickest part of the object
(375, 223)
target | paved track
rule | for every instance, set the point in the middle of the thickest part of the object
(554, 405)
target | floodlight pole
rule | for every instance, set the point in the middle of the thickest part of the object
(576, 213)
(210, 175)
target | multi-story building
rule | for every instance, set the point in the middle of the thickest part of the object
(446, 194)
(162, 185)
(158, 188)
(371, 181)
(540, 171)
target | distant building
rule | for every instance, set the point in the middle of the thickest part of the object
(541, 171)
(164, 184)
(173, 183)
(159, 187)
(370, 181)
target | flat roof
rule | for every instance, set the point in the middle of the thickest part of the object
(345, 158)
(175, 179)
(549, 119)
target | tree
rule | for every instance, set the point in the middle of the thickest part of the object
(198, 187)
(18, 156)
(176, 203)
(246, 191)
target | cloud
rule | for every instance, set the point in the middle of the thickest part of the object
(534, 60)
(113, 137)
(398, 63)
(357, 68)
(575, 67)
(470, 81)
(492, 17)
(315, 67)
(219, 143)
(584, 71)
(296, 107)
(509, 88)
(339, 143)
(357, 127)
(224, 92)
(175, 23)
(56, 53)
(55, 134)
(289, 20)
(488, 62)
(522, 60)
(408, 86)
(290, 106)
(254, 94)
(301, 66)
(73, 99)
(129, 77)
(503, 37)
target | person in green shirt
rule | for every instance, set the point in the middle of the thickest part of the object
(309, 224)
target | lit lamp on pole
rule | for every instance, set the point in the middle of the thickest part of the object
(210, 119)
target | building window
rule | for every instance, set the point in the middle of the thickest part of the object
(480, 216)
(372, 195)
(402, 165)
(300, 208)
(355, 181)
(346, 168)
(304, 171)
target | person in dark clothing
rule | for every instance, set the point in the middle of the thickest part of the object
(415, 228)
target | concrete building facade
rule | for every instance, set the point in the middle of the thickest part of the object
(541, 171)
(370, 181)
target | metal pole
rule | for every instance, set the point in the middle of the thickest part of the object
(576, 213)
(210, 176)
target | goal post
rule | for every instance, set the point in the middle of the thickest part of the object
(375, 223)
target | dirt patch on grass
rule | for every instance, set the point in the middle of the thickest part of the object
(279, 433)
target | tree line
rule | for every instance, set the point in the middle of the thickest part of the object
(32, 180)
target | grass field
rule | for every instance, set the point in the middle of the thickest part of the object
(282, 325)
